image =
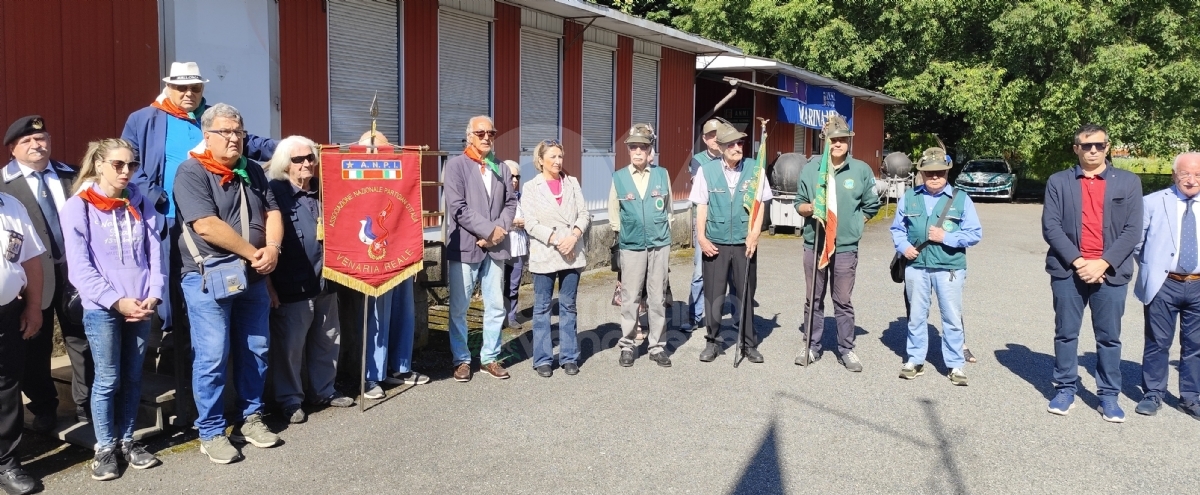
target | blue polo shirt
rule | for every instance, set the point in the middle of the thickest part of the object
(182, 137)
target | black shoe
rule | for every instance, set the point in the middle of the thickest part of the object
(83, 414)
(752, 354)
(104, 466)
(711, 351)
(571, 369)
(44, 423)
(626, 359)
(137, 456)
(661, 358)
(16, 481)
(544, 371)
(1191, 408)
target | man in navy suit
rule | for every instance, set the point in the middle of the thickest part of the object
(1168, 284)
(1092, 220)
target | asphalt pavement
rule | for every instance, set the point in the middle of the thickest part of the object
(761, 428)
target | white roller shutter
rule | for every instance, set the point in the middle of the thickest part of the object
(363, 59)
(540, 99)
(645, 91)
(464, 75)
(597, 99)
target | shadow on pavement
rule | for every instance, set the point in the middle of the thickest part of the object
(764, 474)
(1038, 369)
(895, 337)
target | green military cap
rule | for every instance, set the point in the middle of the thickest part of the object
(836, 127)
(711, 126)
(932, 160)
(641, 134)
(727, 134)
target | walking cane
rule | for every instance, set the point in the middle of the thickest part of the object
(817, 230)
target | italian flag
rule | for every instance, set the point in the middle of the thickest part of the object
(825, 207)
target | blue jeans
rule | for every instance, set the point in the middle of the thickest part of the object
(543, 292)
(391, 351)
(118, 350)
(948, 285)
(235, 328)
(461, 278)
(1071, 295)
(696, 303)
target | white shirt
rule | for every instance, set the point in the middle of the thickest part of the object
(1180, 207)
(15, 220)
(699, 194)
(487, 180)
(52, 183)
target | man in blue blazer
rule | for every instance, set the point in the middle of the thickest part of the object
(1092, 220)
(1168, 283)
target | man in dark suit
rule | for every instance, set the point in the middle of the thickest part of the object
(1092, 220)
(480, 206)
(42, 185)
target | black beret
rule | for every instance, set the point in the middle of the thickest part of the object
(24, 126)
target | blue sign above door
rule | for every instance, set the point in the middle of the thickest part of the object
(810, 106)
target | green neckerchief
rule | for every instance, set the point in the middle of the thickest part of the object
(239, 169)
(491, 162)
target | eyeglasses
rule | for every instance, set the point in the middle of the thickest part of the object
(1186, 176)
(481, 134)
(229, 133)
(194, 88)
(934, 174)
(739, 143)
(516, 177)
(120, 165)
(638, 146)
(311, 158)
(839, 140)
(1092, 146)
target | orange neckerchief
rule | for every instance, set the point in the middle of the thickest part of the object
(105, 203)
(226, 173)
(166, 105)
(485, 162)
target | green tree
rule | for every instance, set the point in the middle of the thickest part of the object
(995, 77)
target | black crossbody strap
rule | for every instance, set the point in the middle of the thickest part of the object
(941, 218)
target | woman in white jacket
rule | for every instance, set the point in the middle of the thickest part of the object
(556, 219)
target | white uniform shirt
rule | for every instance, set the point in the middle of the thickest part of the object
(52, 183)
(19, 243)
(699, 194)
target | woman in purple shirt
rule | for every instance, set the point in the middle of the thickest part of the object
(114, 260)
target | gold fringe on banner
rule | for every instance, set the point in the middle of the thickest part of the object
(365, 288)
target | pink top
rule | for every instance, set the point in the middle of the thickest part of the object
(555, 189)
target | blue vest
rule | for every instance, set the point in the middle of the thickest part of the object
(934, 255)
(728, 222)
(297, 276)
(644, 220)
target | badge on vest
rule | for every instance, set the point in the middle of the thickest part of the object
(12, 252)
(949, 226)
(659, 203)
(848, 184)
(629, 197)
(746, 186)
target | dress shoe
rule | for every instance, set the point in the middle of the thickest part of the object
(16, 481)
(571, 369)
(44, 423)
(752, 354)
(711, 351)
(544, 371)
(626, 359)
(661, 358)
(83, 414)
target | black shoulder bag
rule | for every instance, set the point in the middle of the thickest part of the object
(899, 262)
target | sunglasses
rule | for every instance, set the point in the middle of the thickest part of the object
(311, 158)
(1092, 146)
(481, 134)
(194, 88)
(639, 146)
(120, 165)
(516, 177)
(550, 142)
(934, 173)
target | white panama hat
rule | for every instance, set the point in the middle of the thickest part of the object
(185, 73)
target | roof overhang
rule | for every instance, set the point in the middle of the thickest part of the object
(621, 23)
(724, 63)
(742, 83)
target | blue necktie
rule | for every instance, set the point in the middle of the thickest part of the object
(1187, 240)
(50, 212)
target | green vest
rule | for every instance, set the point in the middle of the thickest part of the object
(728, 222)
(934, 255)
(644, 220)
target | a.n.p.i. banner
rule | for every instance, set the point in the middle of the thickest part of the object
(371, 217)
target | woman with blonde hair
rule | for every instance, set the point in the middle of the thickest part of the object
(115, 262)
(556, 219)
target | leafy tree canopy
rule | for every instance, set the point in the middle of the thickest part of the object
(992, 77)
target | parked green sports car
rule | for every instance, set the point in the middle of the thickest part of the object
(992, 178)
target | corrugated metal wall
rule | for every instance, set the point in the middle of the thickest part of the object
(868, 133)
(622, 118)
(572, 98)
(83, 66)
(304, 69)
(507, 56)
(676, 92)
(420, 74)
(780, 136)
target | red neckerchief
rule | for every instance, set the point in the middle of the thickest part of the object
(485, 162)
(166, 105)
(105, 203)
(212, 165)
